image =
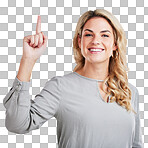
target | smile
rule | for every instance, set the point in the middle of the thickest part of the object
(95, 51)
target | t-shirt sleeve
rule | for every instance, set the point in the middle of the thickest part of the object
(137, 143)
(24, 114)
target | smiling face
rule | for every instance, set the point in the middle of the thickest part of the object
(97, 33)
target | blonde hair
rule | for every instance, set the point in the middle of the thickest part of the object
(117, 80)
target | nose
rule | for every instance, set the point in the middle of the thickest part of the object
(96, 40)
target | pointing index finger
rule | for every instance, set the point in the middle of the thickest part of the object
(38, 26)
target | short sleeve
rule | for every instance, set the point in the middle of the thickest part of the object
(24, 114)
(137, 143)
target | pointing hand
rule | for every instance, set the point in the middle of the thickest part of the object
(35, 45)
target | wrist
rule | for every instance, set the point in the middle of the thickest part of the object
(30, 60)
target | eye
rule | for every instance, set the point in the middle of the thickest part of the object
(104, 35)
(87, 34)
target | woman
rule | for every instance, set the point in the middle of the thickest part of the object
(95, 106)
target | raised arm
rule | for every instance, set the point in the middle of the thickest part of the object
(33, 48)
(22, 113)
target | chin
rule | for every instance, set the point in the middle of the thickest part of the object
(96, 61)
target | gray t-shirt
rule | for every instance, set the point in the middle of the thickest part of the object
(84, 119)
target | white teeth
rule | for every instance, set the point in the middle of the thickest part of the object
(95, 49)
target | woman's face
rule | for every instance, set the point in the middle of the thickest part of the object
(97, 33)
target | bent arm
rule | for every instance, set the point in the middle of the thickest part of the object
(24, 114)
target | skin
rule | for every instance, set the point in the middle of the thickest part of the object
(96, 65)
(33, 48)
(34, 45)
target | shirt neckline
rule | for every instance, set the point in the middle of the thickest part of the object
(98, 91)
(87, 77)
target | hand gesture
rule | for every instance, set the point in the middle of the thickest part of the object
(34, 45)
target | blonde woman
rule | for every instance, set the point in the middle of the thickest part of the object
(94, 105)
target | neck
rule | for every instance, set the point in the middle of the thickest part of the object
(97, 71)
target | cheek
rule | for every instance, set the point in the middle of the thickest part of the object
(84, 42)
(108, 43)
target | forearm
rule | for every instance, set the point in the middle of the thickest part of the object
(25, 69)
(17, 104)
(24, 114)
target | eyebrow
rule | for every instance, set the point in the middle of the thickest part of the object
(100, 31)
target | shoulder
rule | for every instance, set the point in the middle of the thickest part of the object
(52, 83)
(67, 78)
(60, 80)
(132, 88)
(134, 93)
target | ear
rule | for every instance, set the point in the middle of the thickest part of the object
(79, 41)
(115, 47)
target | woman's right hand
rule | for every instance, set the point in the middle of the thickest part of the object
(34, 45)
